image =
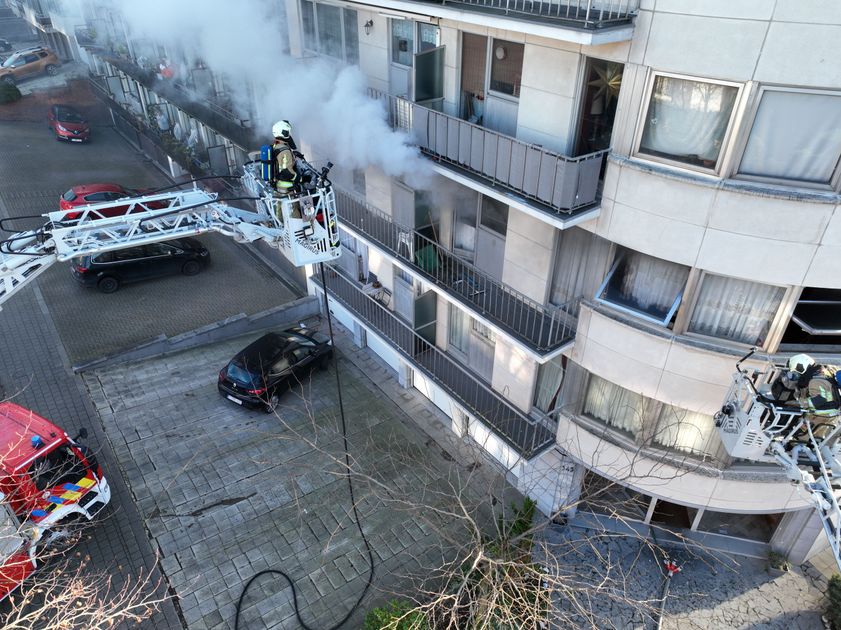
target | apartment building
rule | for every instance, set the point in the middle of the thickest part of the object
(624, 198)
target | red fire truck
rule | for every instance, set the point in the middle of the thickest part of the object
(50, 485)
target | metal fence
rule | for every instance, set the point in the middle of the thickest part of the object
(526, 436)
(589, 14)
(562, 183)
(540, 327)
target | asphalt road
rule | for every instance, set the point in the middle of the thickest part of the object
(48, 327)
(36, 170)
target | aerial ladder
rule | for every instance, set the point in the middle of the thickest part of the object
(303, 225)
(758, 424)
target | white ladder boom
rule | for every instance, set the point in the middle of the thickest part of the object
(753, 425)
(303, 227)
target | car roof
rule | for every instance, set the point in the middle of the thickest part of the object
(263, 350)
(17, 428)
(85, 189)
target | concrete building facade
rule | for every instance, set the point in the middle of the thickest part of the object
(623, 200)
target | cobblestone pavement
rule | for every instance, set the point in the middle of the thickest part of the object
(711, 591)
(227, 492)
(36, 170)
(34, 372)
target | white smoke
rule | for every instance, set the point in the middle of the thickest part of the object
(244, 41)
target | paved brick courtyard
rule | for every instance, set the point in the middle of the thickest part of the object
(227, 492)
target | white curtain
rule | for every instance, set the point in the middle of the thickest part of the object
(550, 376)
(688, 431)
(794, 136)
(686, 120)
(614, 405)
(735, 309)
(571, 264)
(645, 283)
(458, 331)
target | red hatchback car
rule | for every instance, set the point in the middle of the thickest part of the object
(86, 194)
(68, 124)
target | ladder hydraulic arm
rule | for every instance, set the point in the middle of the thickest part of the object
(755, 425)
(302, 226)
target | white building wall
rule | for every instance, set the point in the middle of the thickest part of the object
(659, 478)
(514, 374)
(529, 251)
(689, 220)
(655, 365)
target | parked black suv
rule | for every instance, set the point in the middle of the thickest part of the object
(259, 374)
(108, 271)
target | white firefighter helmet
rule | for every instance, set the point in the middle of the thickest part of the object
(799, 363)
(282, 129)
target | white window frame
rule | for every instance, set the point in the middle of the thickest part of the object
(775, 328)
(489, 69)
(624, 309)
(313, 46)
(744, 136)
(726, 140)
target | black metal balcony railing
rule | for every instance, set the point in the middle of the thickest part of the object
(526, 436)
(559, 184)
(220, 119)
(541, 328)
(587, 14)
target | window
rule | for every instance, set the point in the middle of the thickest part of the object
(56, 467)
(816, 319)
(428, 37)
(647, 286)
(402, 42)
(550, 377)
(483, 331)
(159, 249)
(351, 36)
(572, 262)
(403, 275)
(687, 120)
(464, 232)
(506, 67)
(687, 431)
(457, 329)
(330, 31)
(795, 136)
(494, 215)
(308, 20)
(735, 309)
(614, 405)
(299, 354)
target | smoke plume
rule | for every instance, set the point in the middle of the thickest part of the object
(244, 42)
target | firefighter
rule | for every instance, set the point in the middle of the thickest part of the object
(283, 154)
(816, 387)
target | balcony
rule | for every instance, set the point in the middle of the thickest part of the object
(208, 111)
(583, 14)
(524, 435)
(542, 329)
(546, 182)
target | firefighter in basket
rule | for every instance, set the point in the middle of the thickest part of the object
(815, 389)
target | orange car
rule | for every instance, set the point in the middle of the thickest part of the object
(28, 62)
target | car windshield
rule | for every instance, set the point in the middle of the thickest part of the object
(58, 466)
(65, 115)
(241, 375)
(8, 63)
(69, 195)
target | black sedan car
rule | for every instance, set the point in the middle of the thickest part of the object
(5, 45)
(259, 374)
(110, 270)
